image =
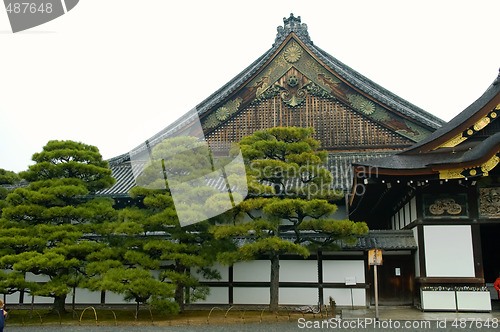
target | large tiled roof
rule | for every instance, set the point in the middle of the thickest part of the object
(294, 25)
(124, 181)
(339, 164)
(376, 91)
(428, 154)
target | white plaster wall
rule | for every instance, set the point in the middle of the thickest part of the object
(344, 297)
(407, 214)
(36, 277)
(300, 296)
(338, 270)
(84, 296)
(295, 270)
(218, 295)
(401, 218)
(253, 271)
(223, 270)
(113, 298)
(251, 295)
(449, 251)
(13, 298)
(413, 208)
(39, 299)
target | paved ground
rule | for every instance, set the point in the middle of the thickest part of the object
(403, 313)
(390, 319)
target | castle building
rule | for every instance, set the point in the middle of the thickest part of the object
(446, 190)
(296, 83)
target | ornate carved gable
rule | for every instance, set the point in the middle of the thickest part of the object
(295, 89)
(296, 83)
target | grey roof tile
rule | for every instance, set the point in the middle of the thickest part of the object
(375, 239)
(338, 163)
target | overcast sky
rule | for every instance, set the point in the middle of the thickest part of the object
(112, 73)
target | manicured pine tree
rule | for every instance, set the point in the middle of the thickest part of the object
(6, 178)
(182, 252)
(289, 189)
(57, 208)
(123, 268)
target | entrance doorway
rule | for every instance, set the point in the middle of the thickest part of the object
(490, 249)
(395, 280)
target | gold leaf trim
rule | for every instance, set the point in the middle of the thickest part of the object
(482, 123)
(454, 141)
(479, 125)
(490, 164)
(458, 172)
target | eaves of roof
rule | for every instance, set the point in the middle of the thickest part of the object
(339, 164)
(425, 158)
(429, 163)
(460, 122)
(375, 239)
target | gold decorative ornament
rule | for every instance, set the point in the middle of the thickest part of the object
(458, 172)
(490, 164)
(361, 103)
(233, 105)
(482, 123)
(454, 141)
(228, 109)
(441, 206)
(367, 107)
(222, 113)
(210, 122)
(293, 53)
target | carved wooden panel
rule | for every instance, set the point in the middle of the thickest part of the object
(337, 126)
(489, 202)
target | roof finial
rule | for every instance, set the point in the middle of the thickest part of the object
(291, 21)
(292, 24)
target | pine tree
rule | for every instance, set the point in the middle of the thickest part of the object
(289, 190)
(53, 213)
(182, 252)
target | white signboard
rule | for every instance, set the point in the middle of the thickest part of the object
(350, 281)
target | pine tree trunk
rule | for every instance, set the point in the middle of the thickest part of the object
(275, 283)
(179, 290)
(73, 302)
(59, 304)
(179, 296)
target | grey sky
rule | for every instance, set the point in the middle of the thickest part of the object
(113, 73)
